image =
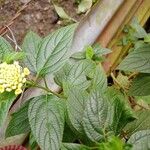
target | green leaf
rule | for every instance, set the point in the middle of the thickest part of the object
(147, 38)
(61, 13)
(137, 60)
(139, 30)
(99, 50)
(6, 100)
(75, 74)
(140, 85)
(100, 79)
(76, 103)
(31, 47)
(140, 140)
(53, 51)
(84, 5)
(114, 143)
(68, 135)
(143, 98)
(89, 52)
(71, 146)
(5, 48)
(19, 123)
(79, 55)
(32, 142)
(46, 118)
(97, 116)
(141, 123)
(122, 115)
(13, 56)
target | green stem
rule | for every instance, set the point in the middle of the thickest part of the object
(45, 82)
(33, 84)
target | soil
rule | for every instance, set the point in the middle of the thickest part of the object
(39, 16)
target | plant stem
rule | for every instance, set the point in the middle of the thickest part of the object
(119, 84)
(33, 84)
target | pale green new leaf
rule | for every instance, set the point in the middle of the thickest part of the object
(13, 56)
(113, 143)
(72, 146)
(97, 116)
(53, 51)
(140, 140)
(140, 85)
(84, 6)
(89, 52)
(31, 47)
(147, 38)
(141, 123)
(46, 118)
(19, 123)
(61, 13)
(5, 48)
(76, 103)
(99, 50)
(6, 100)
(139, 30)
(137, 60)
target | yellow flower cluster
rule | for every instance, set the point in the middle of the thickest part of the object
(12, 77)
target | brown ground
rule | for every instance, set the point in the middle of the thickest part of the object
(39, 16)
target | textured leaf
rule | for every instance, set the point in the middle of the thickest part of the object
(5, 48)
(100, 51)
(79, 55)
(97, 116)
(76, 103)
(140, 85)
(53, 50)
(75, 74)
(140, 140)
(122, 115)
(6, 100)
(71, 146)
(19, 123)
(100, 79)
(46, 118)
(31, 47)
(139, 30)
(141, 123)
(138, 60)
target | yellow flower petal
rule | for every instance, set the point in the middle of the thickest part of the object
(2, 89)
(18, 91)
(12, 77)
(26, 71)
